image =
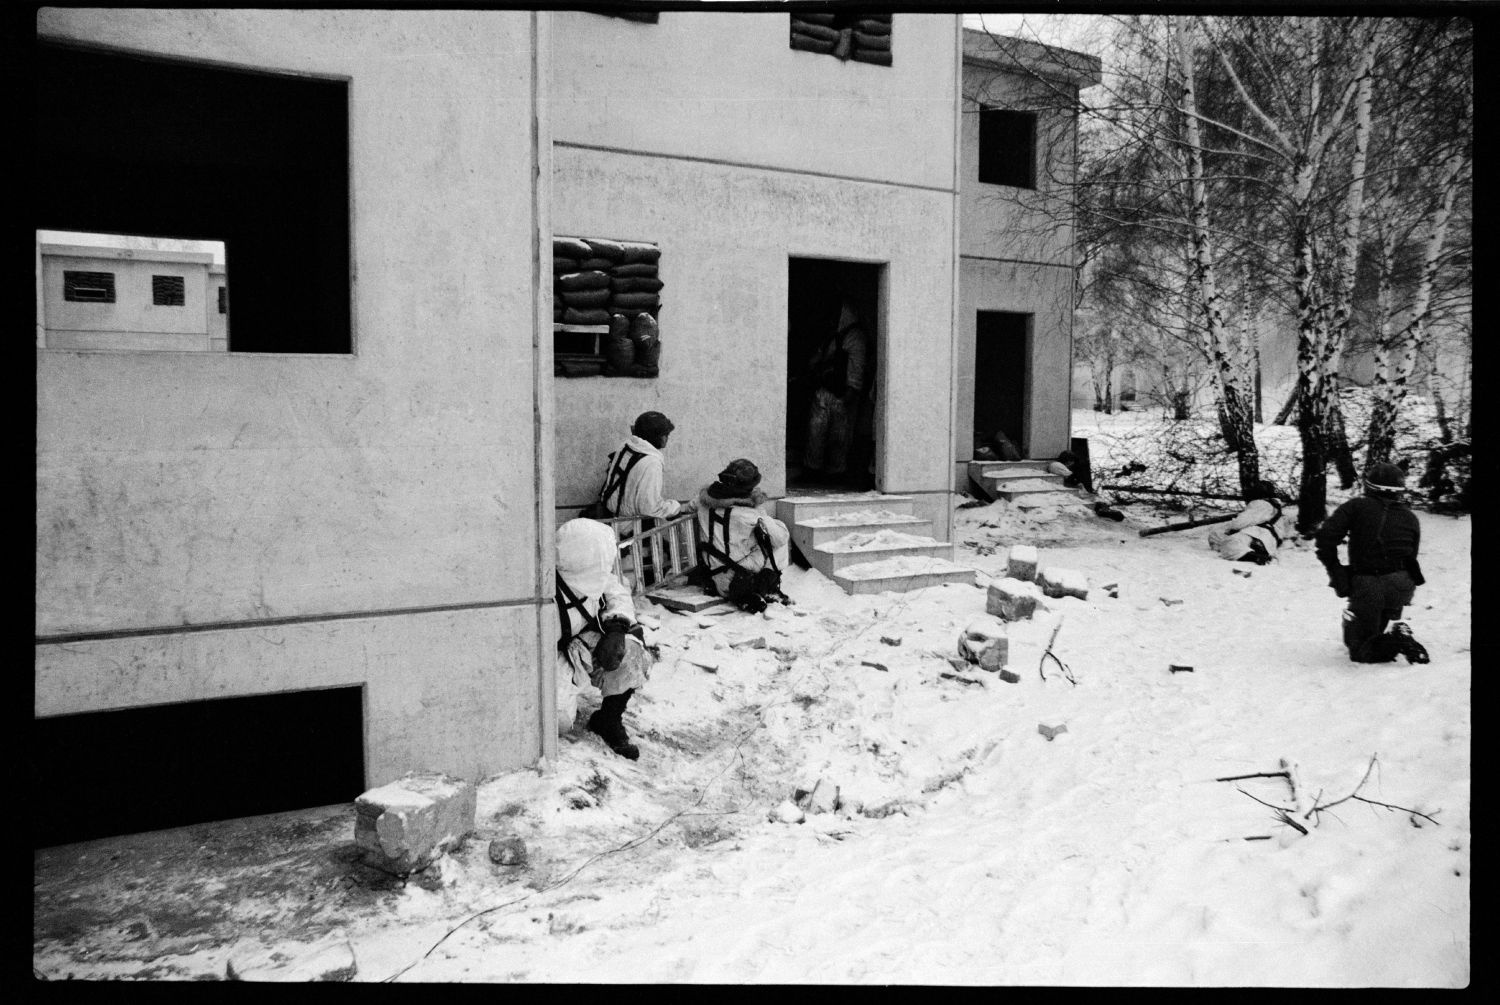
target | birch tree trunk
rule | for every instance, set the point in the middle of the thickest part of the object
(1391, 383)
(1236, 419)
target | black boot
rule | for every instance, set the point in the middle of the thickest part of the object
(1406, 645)
(607, 724)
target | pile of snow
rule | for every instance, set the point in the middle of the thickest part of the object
(862, 516)
(876, 541)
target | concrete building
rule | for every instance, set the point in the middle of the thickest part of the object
(348, 516)
(119, 298)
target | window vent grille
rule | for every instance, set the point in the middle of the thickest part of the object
(168, 291)
(89, 287)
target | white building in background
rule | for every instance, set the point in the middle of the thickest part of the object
(96, 297)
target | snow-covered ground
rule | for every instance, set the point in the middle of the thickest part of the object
(967, 848)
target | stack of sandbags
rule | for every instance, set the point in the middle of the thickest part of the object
(815, 32)
(865, 37)
(594, 278)
(635, 288)
(872, 39)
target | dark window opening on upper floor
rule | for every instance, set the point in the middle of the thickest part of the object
(162, 148)
(1007, 147)
(863, 37)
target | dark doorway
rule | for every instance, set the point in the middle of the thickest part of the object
(1001, 350)
(817, 291)
(98, 774)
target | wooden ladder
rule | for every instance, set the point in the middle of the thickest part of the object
(661, 556)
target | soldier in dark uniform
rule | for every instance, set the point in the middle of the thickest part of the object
(1382, 573)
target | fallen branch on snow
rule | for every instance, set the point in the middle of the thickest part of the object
(1314, 808)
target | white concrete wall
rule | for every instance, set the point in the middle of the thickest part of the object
(801, 156)
(132, 321)
(727, 85)
(222, 489)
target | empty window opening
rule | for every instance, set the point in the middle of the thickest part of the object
(223, 299)
(833, 313)
(1007, 147)
(89, 287)
(168, 291)
(862, 37)
(161, 149)
(98, 774)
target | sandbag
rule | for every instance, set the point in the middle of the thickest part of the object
(872, 56)
(635, 269)
(635, 299)
(646, 334)
(585, 316)
(872, 43)
(619, 352)
(636, 284)
(577, 367)
(585, 298)
(600, 248)
(563, 265)
(813, 17)
(599, 264)
(806, 44)
(594, 280)
(640, 251)
(874, 25)
(808, 29)
(570, 247)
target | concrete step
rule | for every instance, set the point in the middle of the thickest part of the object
(900, 575)
(831, 558)
(820, 530)
(800, 508)
(978, 469)
(1009, 488)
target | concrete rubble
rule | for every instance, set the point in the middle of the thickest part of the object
(405, 825)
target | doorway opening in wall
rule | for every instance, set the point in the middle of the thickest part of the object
(832, 350)
(101, 774)
(156, 148)
(1002, 354)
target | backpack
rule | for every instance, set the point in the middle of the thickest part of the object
(749, 591)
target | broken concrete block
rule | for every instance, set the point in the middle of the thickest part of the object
(1063, 583)
(1020, 562)
(1011, 599)
(404, 826)
(508, 851)
(888, 640)
(979, 636)
(1010, 678)
(330, 958)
